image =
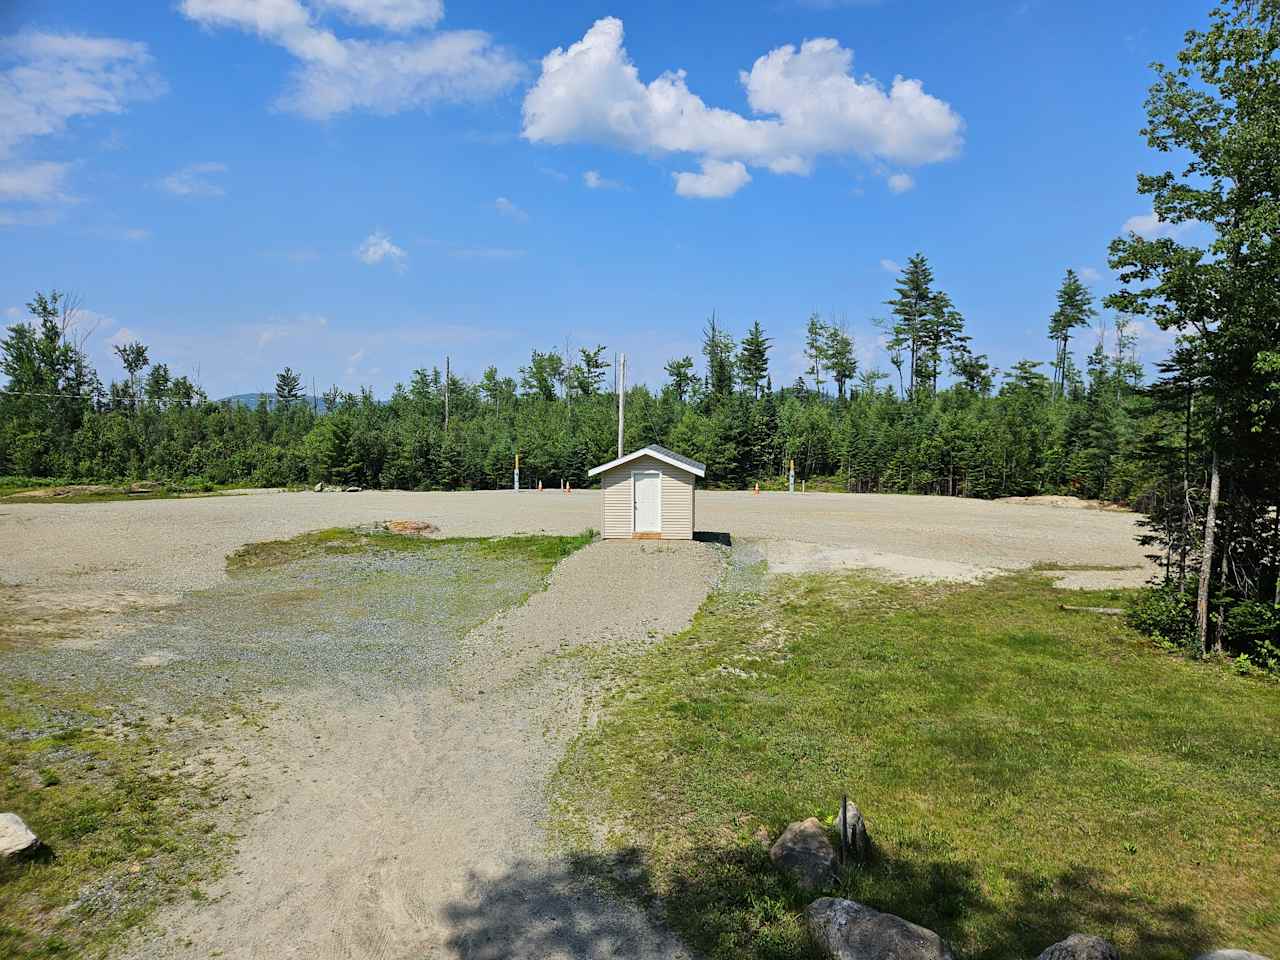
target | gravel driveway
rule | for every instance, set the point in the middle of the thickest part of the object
(396, 797)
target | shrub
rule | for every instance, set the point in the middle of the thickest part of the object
(1166, 614)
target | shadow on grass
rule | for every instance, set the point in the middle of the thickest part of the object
(730, 902)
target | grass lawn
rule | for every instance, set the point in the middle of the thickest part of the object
(1025, 771)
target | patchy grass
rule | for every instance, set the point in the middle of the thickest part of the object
(343, 542)
(123, 830)
(33, 490)
(1025, 771)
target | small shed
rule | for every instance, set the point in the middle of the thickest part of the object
(648, 495)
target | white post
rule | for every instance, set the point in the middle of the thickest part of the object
(515, 475)
(622, 395)
(791, 478)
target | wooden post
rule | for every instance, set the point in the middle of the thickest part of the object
(515, 475)
(791, 478)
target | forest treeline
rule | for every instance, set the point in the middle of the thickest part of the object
(1196, 447)
(939, 424)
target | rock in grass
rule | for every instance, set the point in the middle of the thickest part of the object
(318, 488)
(1230, 955)
(1081, 946)
(16, 838)
(847, 930)
(854, 832)
(804, 853)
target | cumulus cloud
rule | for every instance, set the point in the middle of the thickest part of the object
(806, 102)
(378, 247)
(195, 180)
(336, 75)
(36, 181)
(50, 79)
(1089, 274)
(509, 209)
(890, 266)
(901, 182)
(595, 181)
(719, 178)
(1150, 226)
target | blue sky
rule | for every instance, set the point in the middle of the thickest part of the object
(357, 188)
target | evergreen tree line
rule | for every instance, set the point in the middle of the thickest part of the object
(938, 426)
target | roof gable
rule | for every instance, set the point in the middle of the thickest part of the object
(669, 457)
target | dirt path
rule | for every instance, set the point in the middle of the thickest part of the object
(408, 824)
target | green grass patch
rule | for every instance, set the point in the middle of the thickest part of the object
(345, 542)
(1025, 771)
(123, 829)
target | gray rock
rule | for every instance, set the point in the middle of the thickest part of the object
(318, 488)
(1230, 955)
(353, 489)
(16, 838)
(854, 832)
(804, 852)
(847, 930)
(1081, 946)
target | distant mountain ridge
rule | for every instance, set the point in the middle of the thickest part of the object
(251, 400)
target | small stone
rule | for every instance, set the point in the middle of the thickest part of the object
(318, 488)
(352, 489)
(848, 930)
(804, 853)
(1081, 946)
(1230, 954)
(858, 843)
(16, 838)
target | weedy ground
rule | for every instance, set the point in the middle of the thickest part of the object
(122, 756)
(1026, 771)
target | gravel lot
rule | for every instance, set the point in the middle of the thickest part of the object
(172, 546)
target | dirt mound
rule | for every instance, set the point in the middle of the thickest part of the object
(411, 528)
(1070, 503)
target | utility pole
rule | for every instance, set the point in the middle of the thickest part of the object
(446, 394)
(622, 396)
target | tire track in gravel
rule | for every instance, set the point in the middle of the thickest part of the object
(410, 825)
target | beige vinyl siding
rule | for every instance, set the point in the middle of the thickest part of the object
(677, 499)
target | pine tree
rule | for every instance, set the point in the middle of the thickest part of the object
(717, 347)
(1075, 308)
(288, 388)
(815, 349)
(753, 360)
(913, 305)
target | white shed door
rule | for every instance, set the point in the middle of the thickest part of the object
(646, 487)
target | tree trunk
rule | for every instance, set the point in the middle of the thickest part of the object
(1206, 562)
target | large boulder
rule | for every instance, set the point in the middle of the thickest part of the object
(847, 930)
(1230, 955)
(16, 838)
(1081, 946)
(853, 828)
(804, 852)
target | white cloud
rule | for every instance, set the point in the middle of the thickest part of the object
(901, 182)
(595, 181)
(378, 247)
(121, 336)
(399, 15)
(807, 103)
(1089, 274)
(137, 233)
(51, 79)
(37, 181)
(486, 253)
(1150, 226)
(719, 178)
(336, 75)
(509, 209)
(890, 266)
(195, 180)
